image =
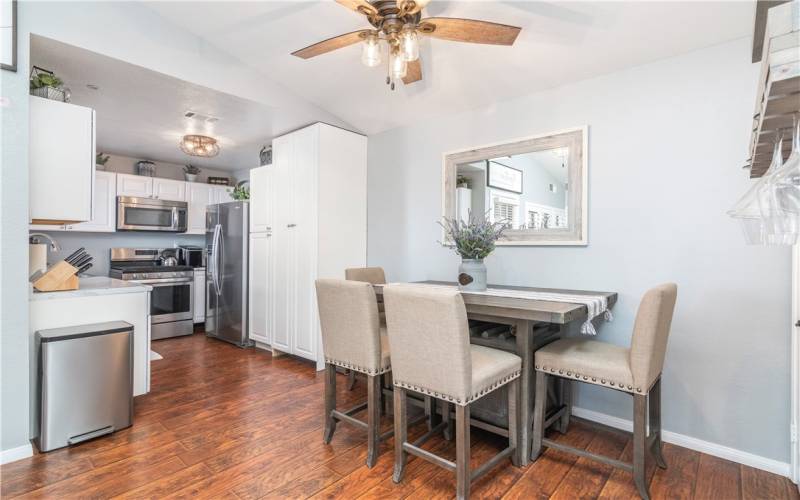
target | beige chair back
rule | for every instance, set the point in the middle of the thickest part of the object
(429, 340)
(374, 275)
(650, 334)
(348, 316)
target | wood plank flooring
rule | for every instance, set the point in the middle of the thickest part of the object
(222, 422)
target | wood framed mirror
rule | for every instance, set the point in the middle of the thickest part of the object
(538, 185)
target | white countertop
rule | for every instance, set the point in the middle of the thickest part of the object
(93, 286)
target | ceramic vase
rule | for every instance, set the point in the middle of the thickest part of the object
(472, 275)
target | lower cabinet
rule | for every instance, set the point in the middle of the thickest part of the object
(199, 295)
(259, 286)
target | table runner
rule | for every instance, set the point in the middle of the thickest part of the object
(595, 304)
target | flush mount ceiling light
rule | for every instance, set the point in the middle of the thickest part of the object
(399, 24)
(199, 145)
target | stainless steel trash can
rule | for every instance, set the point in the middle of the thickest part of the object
(85, 382)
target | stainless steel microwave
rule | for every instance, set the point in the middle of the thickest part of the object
(149, 214)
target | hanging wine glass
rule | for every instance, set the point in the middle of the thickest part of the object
(748, 210)
(778, 200)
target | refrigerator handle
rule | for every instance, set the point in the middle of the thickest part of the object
(215, 258)
(220, 259)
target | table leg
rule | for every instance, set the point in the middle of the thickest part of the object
(524, 333)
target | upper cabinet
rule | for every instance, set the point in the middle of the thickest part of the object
(62, 157)
(168, 189)
(223, 194)
(134, 185)
(261, 199)
(104, 212)
(199, 197)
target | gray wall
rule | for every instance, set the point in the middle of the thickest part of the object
(666, 144)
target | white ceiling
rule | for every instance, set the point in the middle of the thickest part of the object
(560, 42)
(140, 113)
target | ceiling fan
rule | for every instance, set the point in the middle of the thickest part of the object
(399, 23)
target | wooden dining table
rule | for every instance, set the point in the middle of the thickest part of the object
(533, 323)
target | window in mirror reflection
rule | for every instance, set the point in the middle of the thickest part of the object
(527, 191)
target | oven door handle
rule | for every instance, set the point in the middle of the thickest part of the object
(164, 281)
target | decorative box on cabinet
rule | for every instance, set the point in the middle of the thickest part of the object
(61, 161)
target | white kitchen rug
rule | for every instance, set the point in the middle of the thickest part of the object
(154, 356)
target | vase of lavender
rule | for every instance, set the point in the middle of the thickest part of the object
(473, 240)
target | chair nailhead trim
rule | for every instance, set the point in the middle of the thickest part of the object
(458, 401)
(360, 369)
(578, 376)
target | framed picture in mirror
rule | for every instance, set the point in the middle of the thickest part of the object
(536, 185)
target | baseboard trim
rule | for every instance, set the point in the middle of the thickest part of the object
(14, 454)
(717, 450)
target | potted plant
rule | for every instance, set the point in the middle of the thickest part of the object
(462, 181)
(240, 192)
(44, 83)
(100, 161)
(473, 240)
(190, 172)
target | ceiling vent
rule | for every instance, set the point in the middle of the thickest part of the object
(200, 117)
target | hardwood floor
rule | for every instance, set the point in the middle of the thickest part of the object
(222, 422)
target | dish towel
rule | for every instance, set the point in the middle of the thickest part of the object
(595, 304)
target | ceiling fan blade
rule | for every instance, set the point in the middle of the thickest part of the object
(411, 6)
(361, 6)
(469, 30)
(413, 72)
(331, 44)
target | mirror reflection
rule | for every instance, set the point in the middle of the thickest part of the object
(527, 191)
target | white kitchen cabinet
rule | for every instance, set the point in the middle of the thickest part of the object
(260, 276)
(61, 161)
(199, 197)
(261, 199)
(199, 295)
(223, 194)
(319, 175)
(168, 189)
(104, 208)
(138, 186)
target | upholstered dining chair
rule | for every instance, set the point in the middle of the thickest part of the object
(635, 371)
(353, 338)
(431, 354)
(375, 276)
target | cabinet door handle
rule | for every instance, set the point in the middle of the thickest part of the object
(291, 225)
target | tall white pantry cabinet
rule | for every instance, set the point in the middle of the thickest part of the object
(308, 220)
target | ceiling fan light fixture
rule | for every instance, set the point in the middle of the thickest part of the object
(409, 43)
(398, 66)
(371, 50)
(199, 145)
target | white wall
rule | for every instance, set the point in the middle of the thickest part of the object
(127, 165)
(134, 33)
(667, 142)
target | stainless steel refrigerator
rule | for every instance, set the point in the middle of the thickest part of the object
(227, 235)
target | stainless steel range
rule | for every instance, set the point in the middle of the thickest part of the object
(172, 299)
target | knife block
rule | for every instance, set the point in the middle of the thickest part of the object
(58, 277)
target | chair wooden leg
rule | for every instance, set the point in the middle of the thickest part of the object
(462, 452)
(640, 444)
(448, 422)
(565, 399)
(330, 402)
(539, 407)
(654, 414)
(400, 433)
(351, 380)
(513, 438)
(373, 419)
